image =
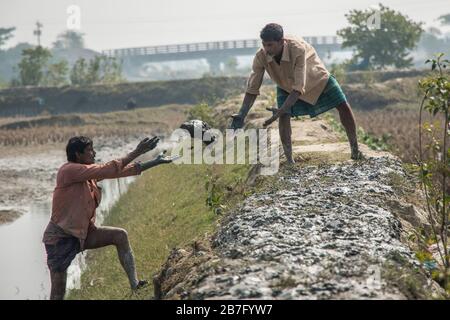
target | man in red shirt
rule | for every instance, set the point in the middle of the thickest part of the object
(72, 225)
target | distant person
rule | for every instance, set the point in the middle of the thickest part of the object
(304, 87)
(76, 196)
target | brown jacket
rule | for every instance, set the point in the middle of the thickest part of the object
(300, 69)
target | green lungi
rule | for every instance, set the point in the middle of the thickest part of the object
(331, 97)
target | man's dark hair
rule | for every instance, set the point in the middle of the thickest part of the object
(76, 144)
(272, 32)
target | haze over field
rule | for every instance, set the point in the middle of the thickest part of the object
(115, 24)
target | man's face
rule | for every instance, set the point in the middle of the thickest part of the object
(273, 48)
(87, 157)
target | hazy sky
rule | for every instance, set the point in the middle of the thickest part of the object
(133, 23)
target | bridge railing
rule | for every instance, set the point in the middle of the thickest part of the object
(206, 46)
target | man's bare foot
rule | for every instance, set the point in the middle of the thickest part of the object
(289, 165)
(292, 161)
(141, 284)
(357, 155)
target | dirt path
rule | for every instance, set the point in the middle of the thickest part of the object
(316, 136)
(327, 228)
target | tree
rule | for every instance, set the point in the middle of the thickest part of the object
(434, 161)
(5, 34)
(33, 64)
(387, 44)
(101, 69)
(93, 71)
(35, 69)
(432, 42)
(69, 40)
(78, 74)
(3, 83)
(56, 74)
(445, 19)
(111, 70)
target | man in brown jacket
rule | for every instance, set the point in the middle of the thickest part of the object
(72, 226)
(304, 87)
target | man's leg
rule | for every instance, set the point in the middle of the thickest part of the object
(348, 121)
(284, 127)
(105, 236)
(58, 280)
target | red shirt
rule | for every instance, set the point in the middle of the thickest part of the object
(76, 195)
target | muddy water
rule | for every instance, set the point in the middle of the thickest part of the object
(27, 185)
(23, 270)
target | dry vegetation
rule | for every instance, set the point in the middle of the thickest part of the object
(389, 111)
(56, 129)
(387, 108)
(401, 125)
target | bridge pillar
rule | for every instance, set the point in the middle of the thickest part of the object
(214, 63)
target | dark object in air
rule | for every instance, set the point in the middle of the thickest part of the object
(193, 125)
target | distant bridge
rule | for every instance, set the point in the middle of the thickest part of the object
(215, 52)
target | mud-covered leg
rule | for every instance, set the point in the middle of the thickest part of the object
(58, 280)
(348, 122)
(284, 127)
(104, 236)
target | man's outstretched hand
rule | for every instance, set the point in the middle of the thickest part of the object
(162, 158)
(146, 145)
(275, 115)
